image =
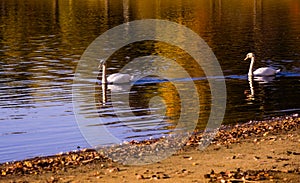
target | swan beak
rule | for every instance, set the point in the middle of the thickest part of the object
(246, 58)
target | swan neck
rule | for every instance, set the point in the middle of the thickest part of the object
(104, 79)
(250, 79)
(104, 94)
(251, 67)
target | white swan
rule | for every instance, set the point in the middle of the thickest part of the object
(263, 71)
(116, 78)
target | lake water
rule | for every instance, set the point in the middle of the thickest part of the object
(41, 43)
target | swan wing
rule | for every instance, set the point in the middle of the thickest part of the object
(265, 71)
(119, 78)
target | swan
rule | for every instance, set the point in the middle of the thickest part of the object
(263, 71)
(116, 78)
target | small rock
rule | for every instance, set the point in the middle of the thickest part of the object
(256, 158)
(139, 177)
(115, 169)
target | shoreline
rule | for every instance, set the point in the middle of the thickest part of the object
(254, 151)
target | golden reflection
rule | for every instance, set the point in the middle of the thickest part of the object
(51, 35)
(194, 70)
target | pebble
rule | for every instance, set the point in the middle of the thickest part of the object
(139, 177)
(245, 176)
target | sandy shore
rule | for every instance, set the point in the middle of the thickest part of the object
(266, 151)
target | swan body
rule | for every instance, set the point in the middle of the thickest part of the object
(263, 71)
(119, 78)
(116, 78)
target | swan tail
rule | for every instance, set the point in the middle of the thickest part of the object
(131, 78)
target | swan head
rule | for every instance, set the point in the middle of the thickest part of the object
(249, 55)
(101, 63)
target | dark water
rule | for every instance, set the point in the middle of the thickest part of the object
(41, 42)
